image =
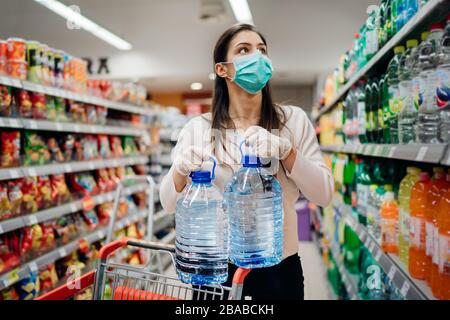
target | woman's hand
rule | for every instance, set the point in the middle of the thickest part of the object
(190, 160)
(267, 145)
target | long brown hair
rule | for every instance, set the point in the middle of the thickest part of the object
(270, 113)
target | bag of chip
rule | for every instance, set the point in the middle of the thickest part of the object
(5, 205)
(10, 148)
(5, 101)
(15, 197)
(30, 195)
(38, 105)
(60, 191)
(45, 192)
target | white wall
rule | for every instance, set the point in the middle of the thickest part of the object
(301, 96)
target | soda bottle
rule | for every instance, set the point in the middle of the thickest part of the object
(380, 112)
(352, 245)
(382, 37)
(377, 123)
(404, 197)
(372, 27)
(400, 21)
(394, 16)
(395, 104)
(384, 90)
(428, 112)
(411, 8)
(443, 85)
(417, 233)
(388, 25)
(443, 221)
(407, 117)
(370, 117)
(438, 185)
(389, 224)
(363, 189)
(361, 101)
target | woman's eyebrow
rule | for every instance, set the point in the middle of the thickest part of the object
(249, 44)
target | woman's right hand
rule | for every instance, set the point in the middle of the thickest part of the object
(190, 160)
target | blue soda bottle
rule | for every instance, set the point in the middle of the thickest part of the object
(201, 232)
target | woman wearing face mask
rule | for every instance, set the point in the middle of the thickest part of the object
(243, 109)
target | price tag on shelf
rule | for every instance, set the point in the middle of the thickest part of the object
(13, 277)
(32, 172)
(14, 173)
(392, 151)
(58, 126)
(367, 242)
(32, 220)
(14, 123)
(76, 128)
(73, 207)
(6, 81)
(422, 153)
(68, 168)
(378, 255)
(1, 229)
(91, 166)
(405, 288)
(33, 266)
(371, 246)
(62, 252)
(391, 273)
(378, 150)
(115, 163)
(33, 124)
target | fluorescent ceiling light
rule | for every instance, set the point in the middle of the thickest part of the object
(85, 23)
(196, 86)
(241, 11)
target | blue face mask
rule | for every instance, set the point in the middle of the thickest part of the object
(252, 72)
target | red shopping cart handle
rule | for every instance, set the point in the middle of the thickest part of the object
(115, 245)
(70, 288)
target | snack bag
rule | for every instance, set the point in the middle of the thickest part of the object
(67, 147)
(48, 278)
(5, 205)
(9, 294)
(38, 101)
(26, 243)
(62, 231)
(60, 109)
(103, 146)
(45, 192)
(36, 152)
(48, 236)
(91, 219)
(85, 183)
(104, 212)
(36, 238)
(77, 112)
(15, 197)
(28, 288)
(113, 177)
(5, 101)
(55, 152)
(102, 180)
(129, 146)
(50, 108)
(120, 173)
(102, 113)
(116, 146)
(31, 197)
(23, 103)
(91, 114)
(60, 191)
(10, 148)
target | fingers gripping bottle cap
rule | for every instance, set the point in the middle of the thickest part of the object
(204, 176)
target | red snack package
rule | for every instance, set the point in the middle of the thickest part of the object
(15, 197)
(102, 180)
(26, 243)
(31, 197)
(104, 212)
(113, 177)
(5, 205)
(5, 101)
(45, 192)
(9, 258)
(48, 236)
(120, 173)
(10, 148)
(60, 192)
(23, 103)
(38, 103)
(116, 146)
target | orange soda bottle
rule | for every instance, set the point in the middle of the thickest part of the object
(389, 223)
(438, 183)
(443, 221)
(417, 234)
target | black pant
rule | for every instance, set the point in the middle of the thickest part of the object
(281, 282)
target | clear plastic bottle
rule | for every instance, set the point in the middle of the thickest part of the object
(411, 8)
(201, 233)
(372, 26)
(393, 80)
(408, 115)
(361, 107)
(443, 85)
(254, 205)
(428, 123)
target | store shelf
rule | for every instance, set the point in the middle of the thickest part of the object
(59, 211)
(169, 134)
(429, 153)
(23, 271)
(418, 22)
(350, 281)
(29, 86)
(68, 167)
(410, 288)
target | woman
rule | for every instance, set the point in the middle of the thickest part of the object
(242, 109)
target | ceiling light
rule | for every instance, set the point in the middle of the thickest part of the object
(241, 11)
(85, 23)
(196, 86)
(212, 76)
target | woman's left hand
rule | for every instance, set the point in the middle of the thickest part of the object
(267, 145)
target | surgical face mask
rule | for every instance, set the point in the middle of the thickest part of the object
(252, 72)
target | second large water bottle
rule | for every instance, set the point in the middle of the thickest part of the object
(254, 204)
(202, 233)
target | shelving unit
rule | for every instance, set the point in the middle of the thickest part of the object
(410, 288)
(26, 85)
(428, 153)
(434, 9)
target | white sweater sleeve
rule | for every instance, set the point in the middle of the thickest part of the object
(309, 173)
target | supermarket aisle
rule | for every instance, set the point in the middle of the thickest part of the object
(313, 271)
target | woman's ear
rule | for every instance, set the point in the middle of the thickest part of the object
(221, 70)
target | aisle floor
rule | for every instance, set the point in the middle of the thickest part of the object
(316, 287)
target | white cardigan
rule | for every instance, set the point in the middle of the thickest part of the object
(309, 175)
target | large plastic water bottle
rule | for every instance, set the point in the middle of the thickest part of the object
(201, 232)
(254, 204)
(408, 115)
(395, 105)
(428, 124)
(443, 85)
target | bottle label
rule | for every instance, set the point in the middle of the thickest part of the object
(363, 195)
(444, 254)
(394, 99)
(435, 257)
(362, 118)
(404, 93)
(417, 233)
(417, 96)
(404, 224)
(443, 87)
(429, 230)
(389, 231)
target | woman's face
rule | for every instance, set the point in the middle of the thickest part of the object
(244, 43)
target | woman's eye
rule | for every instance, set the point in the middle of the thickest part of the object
(243, 51)
(262, 50)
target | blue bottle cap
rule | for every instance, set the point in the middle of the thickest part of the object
(249, 161)
(201, 176)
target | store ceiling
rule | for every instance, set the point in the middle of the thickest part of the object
(171, 48)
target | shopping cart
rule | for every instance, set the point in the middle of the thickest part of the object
(127, 282)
